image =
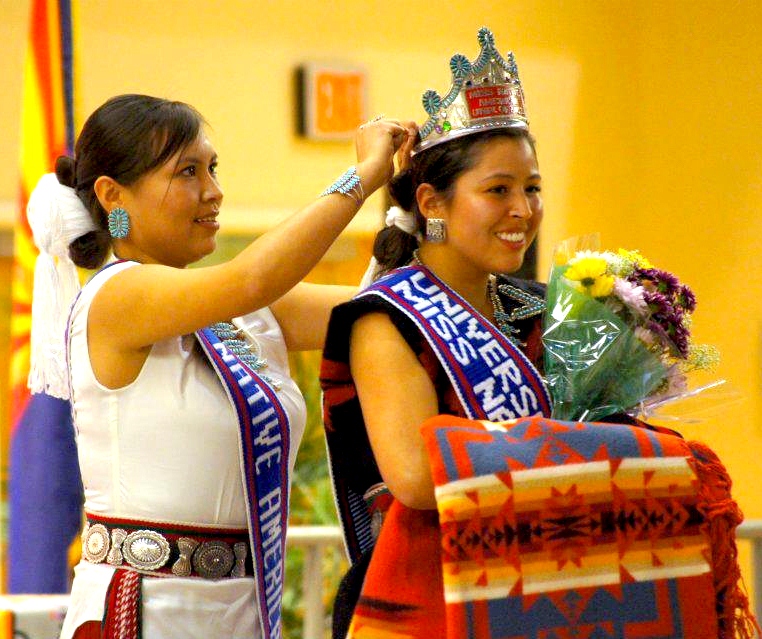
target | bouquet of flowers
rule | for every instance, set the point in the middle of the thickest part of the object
(616, 334)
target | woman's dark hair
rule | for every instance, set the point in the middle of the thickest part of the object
(125, 138)
(439, 166)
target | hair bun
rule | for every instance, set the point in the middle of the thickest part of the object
(65, 171)
(393, 247)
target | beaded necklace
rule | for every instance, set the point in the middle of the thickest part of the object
(230, 336)
(531, 305)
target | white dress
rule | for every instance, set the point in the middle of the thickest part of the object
(165, 448)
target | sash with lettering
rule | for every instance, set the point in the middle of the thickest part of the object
(493, 379)
(264, 445)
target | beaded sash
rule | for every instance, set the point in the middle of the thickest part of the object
(493, 379)
(264, 446)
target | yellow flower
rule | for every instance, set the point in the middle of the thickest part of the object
(634, 257)
(588, 275)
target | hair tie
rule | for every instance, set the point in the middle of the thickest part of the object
(57, 217)
(403, 220)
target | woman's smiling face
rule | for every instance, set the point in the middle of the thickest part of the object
(496, 207)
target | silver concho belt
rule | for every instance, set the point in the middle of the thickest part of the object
(186, 554)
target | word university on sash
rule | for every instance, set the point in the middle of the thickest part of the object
(494, 380)
(264, 446)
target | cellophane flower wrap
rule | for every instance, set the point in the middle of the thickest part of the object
(616, 333)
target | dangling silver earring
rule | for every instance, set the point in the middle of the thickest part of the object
(435, 230)
(118, 223)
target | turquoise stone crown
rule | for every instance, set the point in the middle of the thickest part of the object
(485, 94)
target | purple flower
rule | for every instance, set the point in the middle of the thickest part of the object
(667, 321)
(662, 281)
(686, 298)
(670, 321)
(679, 334)
(657, 303)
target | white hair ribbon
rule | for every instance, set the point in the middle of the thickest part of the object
(57, 217)
(404, 221)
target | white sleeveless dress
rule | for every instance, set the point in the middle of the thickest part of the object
(165, 448)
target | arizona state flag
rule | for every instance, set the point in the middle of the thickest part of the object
(45, 488)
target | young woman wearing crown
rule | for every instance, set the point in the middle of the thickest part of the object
(475, 514)
(187, 421)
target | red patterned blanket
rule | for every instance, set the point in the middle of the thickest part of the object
(552, 529)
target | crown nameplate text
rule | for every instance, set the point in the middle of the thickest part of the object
(485, 94)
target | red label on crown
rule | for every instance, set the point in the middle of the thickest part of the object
(490, 101)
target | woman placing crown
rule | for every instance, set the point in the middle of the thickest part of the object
(187, 420)
(475, 514)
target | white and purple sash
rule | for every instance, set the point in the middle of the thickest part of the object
(264, 444)
(493, 379)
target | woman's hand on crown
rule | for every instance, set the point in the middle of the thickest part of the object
(377, 142)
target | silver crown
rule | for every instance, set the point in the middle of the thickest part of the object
(485, 94)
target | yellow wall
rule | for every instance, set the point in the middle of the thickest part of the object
(698, 175)
(647, 114)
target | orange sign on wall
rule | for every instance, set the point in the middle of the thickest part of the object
(333, 101)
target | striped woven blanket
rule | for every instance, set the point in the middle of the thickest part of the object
(555, 530)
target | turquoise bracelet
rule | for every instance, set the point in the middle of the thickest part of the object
(348, 184)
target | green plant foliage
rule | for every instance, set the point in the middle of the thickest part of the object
(311, 500)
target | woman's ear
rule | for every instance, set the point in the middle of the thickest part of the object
(429, 201)
(109, 192)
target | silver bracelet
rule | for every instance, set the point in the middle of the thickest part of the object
(348, 184)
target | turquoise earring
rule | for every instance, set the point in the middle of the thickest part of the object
(118, 223)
